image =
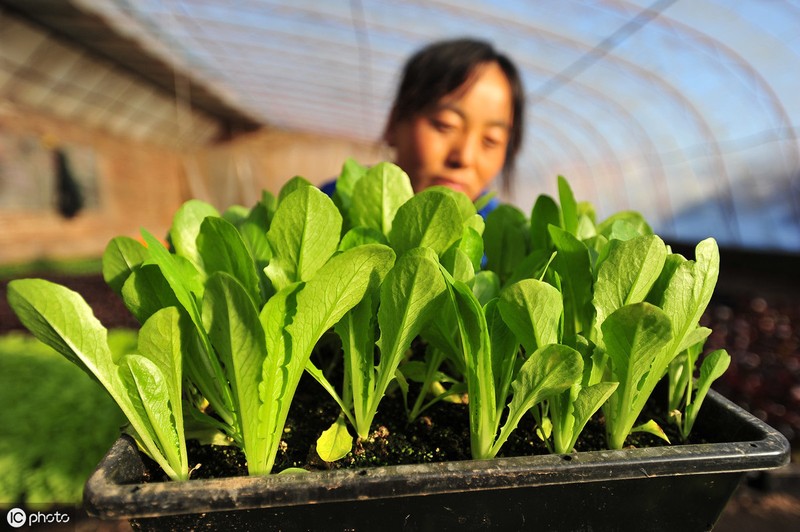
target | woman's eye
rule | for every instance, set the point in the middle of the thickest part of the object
(490, 142)
(442, 126)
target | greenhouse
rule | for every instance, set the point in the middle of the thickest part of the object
(220, 218)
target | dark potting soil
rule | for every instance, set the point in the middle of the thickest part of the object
(440, 434)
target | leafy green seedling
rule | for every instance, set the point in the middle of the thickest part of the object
(409, 296)
(534, 311)
(145, 385)
(420, 229)
(548, 371)
(697, 279)
(636, 337)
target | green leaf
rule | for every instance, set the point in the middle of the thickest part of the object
(293, 471)
(598, 248)
(223, 250)
(533, 266)
(61, 319)
(202, 364)
(504, 347)
(335, 442)
(176, 270)
(295, 183)
(351, 173)
(581, 408)
(569, 207)
(586, 222)
(270, 203)
(573, 264)
(304, 234)
(545, 213)
(149, 394)
(635, 336)
(357, 332)
(628, 273)
(686, 297)
(486, 286)
(147, 291)
(254, 231)
(121, 257)
(547, 372)
(471, 244)
(465, 205)
(651, 427)
(623, 230)
(275, 316)
(656, 295)
(544, 429)
(713, 367)
(533, 310)
(409, 297)
(442, 333)
(235, 214)
(161, 341)
(336, 288)
(696, 336)
(634, 224)
(477, 223)
(186, 227)
(458, 264)
(475, 343)
(378, 195)
(358, 236)
(235, 331)
(703, 273)
(429, 219)
(589, 401)
(505, 240)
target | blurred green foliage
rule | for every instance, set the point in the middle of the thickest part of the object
(66, 267)
(55, 421)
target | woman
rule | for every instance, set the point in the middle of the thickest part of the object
(457, 118)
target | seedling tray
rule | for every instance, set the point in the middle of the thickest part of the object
(679, 487)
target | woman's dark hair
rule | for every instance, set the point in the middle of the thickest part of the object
(441, 68)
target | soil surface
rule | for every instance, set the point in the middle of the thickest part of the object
(440, 434)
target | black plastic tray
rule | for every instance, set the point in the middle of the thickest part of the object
(680, 487)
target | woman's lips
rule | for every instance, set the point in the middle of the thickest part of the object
(449, 183)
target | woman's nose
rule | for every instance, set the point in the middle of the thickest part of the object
(462, 152)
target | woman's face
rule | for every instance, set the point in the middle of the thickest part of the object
(460, 142)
